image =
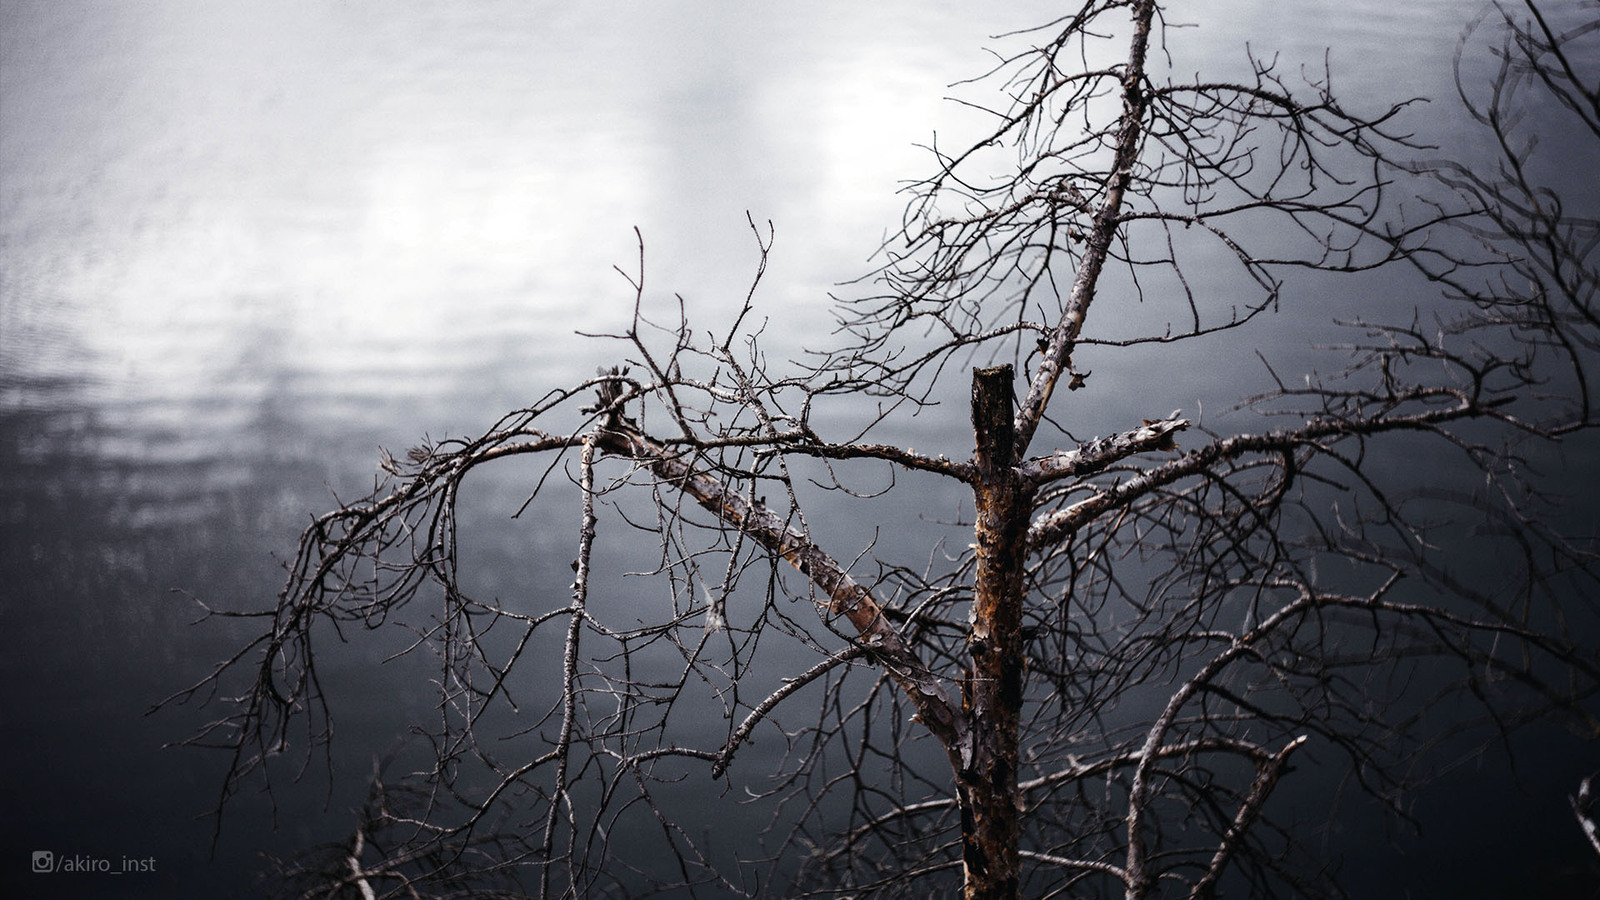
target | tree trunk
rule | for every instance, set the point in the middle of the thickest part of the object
(986, 771)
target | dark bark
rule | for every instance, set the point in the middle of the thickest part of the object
(986, 774)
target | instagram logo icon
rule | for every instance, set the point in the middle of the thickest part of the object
(44, 861)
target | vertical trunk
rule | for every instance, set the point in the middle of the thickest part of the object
(986, 772)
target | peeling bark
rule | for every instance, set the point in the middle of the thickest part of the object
(986, 774)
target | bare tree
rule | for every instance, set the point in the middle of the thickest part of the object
(1546, 285)
(1099, 690)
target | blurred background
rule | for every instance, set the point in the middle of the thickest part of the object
(244, 244)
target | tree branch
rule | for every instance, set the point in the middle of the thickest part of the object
(841, 594)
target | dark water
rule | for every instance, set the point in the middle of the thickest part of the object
(242, 245)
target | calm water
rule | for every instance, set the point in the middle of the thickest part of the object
(246, 243)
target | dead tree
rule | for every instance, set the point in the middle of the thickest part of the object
(1099, 690)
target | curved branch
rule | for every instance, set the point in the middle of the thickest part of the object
(1061, 524)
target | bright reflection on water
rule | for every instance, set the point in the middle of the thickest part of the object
(370, 203)
(244, 243)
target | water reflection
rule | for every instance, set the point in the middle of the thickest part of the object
(244, 244)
